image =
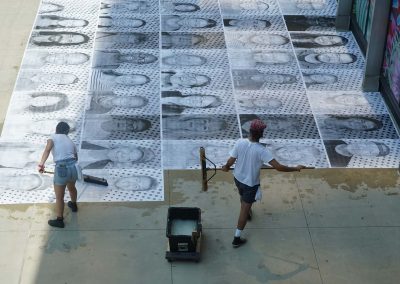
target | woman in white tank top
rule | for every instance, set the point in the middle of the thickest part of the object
(65, 173)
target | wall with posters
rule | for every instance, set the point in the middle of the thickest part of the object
(391, 64)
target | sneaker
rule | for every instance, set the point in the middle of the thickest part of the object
(73, 206)
(238, 241)
(59, 223)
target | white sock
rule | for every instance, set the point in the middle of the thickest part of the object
(237, 233)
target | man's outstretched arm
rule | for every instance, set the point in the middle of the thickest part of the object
(282, 168)
(228, 164)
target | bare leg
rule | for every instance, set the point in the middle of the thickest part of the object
(244, 214)
(72, 191)
(59, 191)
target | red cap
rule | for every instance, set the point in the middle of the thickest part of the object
(257, 125)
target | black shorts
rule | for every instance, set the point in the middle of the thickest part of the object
(247, 193)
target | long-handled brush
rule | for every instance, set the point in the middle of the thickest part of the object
(88, 178)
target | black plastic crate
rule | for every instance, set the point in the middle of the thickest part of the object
(183, 239)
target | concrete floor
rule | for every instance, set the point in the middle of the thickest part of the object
(317, 226)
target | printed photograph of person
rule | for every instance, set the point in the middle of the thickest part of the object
(118, 127)
(118, 22)
(327, 60)
(40, 102)
(58, 39)
(113, 59)
(177, 80)
(53, 22)
(257, 40)
(38, 130)
(309, 23)
(124, 185)
(180, 155)
(347, 103)
(184, 60)
(318, 40)
(356, 127)
(24, 182)
(37, 59)
(360, 153)
(333, 79)
(108, 80)
(175, 7)
(249, 7)
(261, 58)
(243, 24)
(309, 7)
(220, 127)
(106, 155)
(252, 79)
(179, 40)
(318, 78)
(293, 126)
(105, 102)
(174, 102)
(189, 23)
(108, 7)
(129, 40)
(177, 59)
(19, 155)
(48, 7)
(290, 152)
(29, 80)
(272, 102)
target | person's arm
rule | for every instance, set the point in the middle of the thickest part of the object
(228, 164)
(45, 155)
(282, 168)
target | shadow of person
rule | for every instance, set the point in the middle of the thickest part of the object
(66, 240)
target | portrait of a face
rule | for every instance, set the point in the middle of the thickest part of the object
(124, 7)
(248, 5)
(367, 149)
(353, 123)
(111, 101)
(309, 40)
(184, 60)
(176, 22)
(50, 22)
(268, 104)
(296, 154)
(48, 7)
(171, 40)
(253, 24)
(319, 78)
(135, 183)
(184, 80)
(120, 22)
(76, 58)
(269, 39)
(27, 182)
(42, 102)
(185, 7)
(310, 4)
(125, 125)
(309, 23)
(58, 38)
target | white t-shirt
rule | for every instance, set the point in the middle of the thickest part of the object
(250, 157)
(63, 147)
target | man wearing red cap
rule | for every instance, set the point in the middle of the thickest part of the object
(250, 156)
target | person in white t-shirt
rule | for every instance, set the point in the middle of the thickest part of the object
(250, 156)
(65, 173)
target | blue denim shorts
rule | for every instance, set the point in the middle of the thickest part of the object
(247, 193)
(65, 172)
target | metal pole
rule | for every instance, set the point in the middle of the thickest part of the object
(203, 164)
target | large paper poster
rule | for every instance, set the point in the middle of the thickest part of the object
(391, 64)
